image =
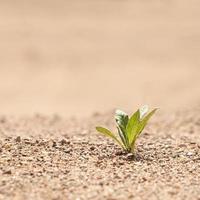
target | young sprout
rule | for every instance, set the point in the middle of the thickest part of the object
(128, 128)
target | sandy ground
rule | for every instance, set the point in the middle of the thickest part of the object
(66, 65)
(53, 158)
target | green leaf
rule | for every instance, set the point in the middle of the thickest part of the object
(108, 133)
(121, 118)
(141, 127)
(132, 126)
(128, 129)
(122, 121)
(122, 137)
(144, 122)
(143, 111)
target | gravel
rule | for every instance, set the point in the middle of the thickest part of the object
(41, 158)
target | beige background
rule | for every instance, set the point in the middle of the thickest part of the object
(77, 57)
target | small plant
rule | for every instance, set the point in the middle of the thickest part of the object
(128, 128)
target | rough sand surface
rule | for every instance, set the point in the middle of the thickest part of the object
(52, 158)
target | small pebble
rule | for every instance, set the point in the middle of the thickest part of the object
(92, 148)
(18, 139)
(130, 156)
(7, 172)
(189, 154)
(63, 142)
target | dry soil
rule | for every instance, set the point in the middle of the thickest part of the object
(43, 157)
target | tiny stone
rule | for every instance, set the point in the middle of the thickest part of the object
(121, 163)
(144, 178)
(7, 172)
(54, 144)
(182, 145)
(130, 156)
(7, 146)
(63, 142)
(189, 154)
(92, 148)
(67, 150)
(119, 153)
(18, 139)
(27, 141)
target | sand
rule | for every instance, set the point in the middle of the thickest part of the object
(65, 66)
(54, 158)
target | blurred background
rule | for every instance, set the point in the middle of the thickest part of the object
(83, 56)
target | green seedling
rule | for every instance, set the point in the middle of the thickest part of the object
(129, 128)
